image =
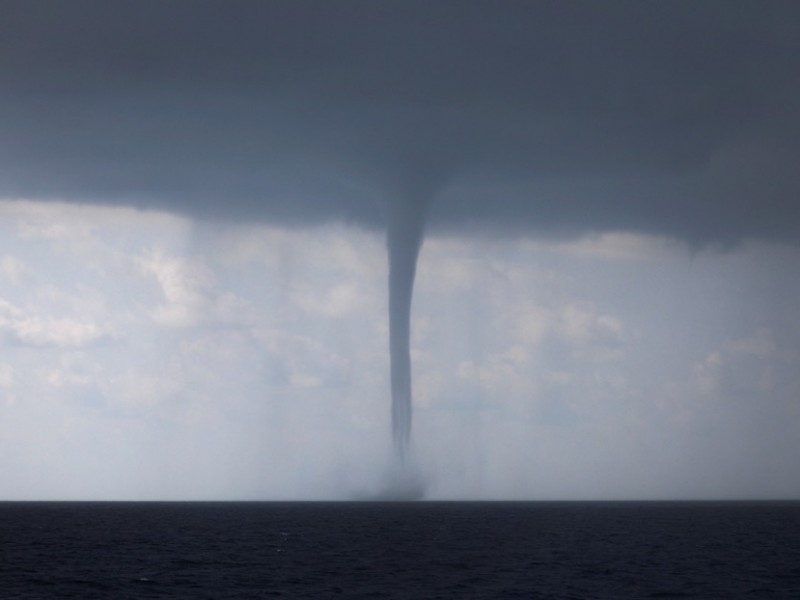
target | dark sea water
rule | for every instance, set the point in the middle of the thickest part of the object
(400, 550)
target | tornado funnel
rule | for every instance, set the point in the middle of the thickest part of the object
(403, 240)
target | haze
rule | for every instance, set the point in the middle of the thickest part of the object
(195, 199)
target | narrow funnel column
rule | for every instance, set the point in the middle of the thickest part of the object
(403, 240)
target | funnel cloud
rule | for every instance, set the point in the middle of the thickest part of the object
(403, 240)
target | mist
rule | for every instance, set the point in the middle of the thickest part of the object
(146, 356)
(577, 130)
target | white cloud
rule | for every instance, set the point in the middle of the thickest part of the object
(188, 289)
(252, 362)
(532, 323)
(64, 332)
(132, 393)
(340, 300)
(12, 269)
(9, 311)
(40, 330)
(707, 372)
(759, 344)
(614, 246)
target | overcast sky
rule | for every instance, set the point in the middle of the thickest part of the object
(192, 259)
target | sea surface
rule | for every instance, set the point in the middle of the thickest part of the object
(400, 550)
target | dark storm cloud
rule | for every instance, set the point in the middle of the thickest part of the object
(673, 117)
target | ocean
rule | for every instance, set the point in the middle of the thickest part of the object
(553, 550)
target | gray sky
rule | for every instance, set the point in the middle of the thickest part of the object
(677, 117)
(606, 299)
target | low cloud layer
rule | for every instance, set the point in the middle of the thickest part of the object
(250, 362)
(677, 119)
